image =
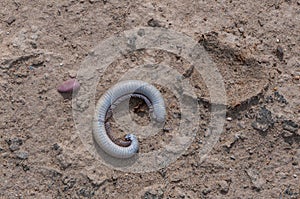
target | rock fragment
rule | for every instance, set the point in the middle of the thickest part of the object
(68, 86)
(279, 53)
(23, 155)
(154, 23)
(64, 162)
(290, 126)
(256, 179)
(263, 120)
(14, 144)
(224, 187)
(10, 20)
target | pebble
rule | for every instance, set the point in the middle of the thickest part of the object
(280, 98)
(241, 30)
(263, 120)
(10, 20)
(295, 163)
(279, 53)
(72, 73)
(55, 146)
(33, 44)
(68, 86)
(141, 32)
(46, 76)
(14, 147)
(153, 194)
(224, 187)
(251, 151)
(23, 155)
(85, 192)
(93, 1)
(14, 144)
(295, 176)
(154, 23)
(229, 118)
(206, 191)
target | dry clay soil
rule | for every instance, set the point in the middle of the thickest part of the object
(255, 45)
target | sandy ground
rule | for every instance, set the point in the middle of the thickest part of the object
(255, 45)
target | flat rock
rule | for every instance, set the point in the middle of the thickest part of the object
(245, 80)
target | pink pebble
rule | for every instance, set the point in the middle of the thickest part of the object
(69, 86)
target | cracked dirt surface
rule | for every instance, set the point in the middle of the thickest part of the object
(255, 46)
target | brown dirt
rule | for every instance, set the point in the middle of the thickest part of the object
(255, 45)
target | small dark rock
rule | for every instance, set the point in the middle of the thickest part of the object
(25, 167)
(279, 53)
(14, 147)
(250, 114)
(167, 129)
(86, 193)
(10, 20)
(269, 99)
(279, 98)
(14, 144)
(153, 194)
(290, 126)
(154, 23)
(162, 172)
(23, 155)
(149, 195)
(14, 141)
(206, 191)
(295, 163)
(55, 147)
(263, 120)
(33, 45)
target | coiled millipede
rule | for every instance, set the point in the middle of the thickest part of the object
(119, 92)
